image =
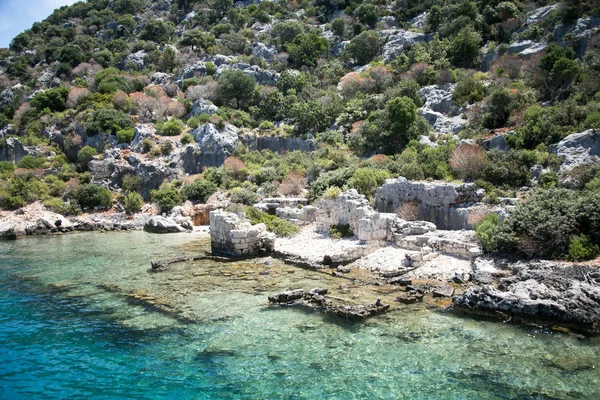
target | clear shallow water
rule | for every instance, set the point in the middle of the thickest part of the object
(68, 330)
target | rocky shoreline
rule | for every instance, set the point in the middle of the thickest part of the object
(35, 219)
(554, 294)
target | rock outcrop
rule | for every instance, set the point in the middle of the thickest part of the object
(578, 149)
(231, 235)
(202, 107)
(213, 146)
(397, 39)
(553, 293)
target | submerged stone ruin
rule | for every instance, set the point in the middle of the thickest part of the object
(231, 235)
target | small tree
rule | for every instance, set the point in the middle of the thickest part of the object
(197, 40)
(133, 202)
(166, 197)
(85, 155)
(236, 85)
(364, 47)
(199, 191)
(367, 14)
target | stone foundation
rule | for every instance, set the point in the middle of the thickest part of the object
(231, 235)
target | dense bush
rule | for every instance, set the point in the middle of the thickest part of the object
(166, 197)
(172, 127)
(133, 202)
(274, 224)
(107, 120)
(366, 180)
(91, 196)
(554, 223)
(198, 191)
(85, 155)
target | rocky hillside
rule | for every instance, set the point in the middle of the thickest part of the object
(108, 104)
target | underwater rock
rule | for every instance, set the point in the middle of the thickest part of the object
(315, 299)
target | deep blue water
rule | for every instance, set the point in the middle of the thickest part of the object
(62, 336)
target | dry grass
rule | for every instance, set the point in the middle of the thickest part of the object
(293, 184)
(408, 211)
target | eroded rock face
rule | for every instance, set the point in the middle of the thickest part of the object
(214, 146)
(231, 235)
(551, 292)
(399, 39)
(141, 132)
(577, 149)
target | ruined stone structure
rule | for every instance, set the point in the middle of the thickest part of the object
(231, 235)
(448, 205)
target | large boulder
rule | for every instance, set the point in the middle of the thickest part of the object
(202, 106)
(196, 69)
(264, 51)
(419, 21)
(442, 124)
(160, 224)
(141, 132)
(577, 149)
(397, 41)
(135, 61)
(439, 98)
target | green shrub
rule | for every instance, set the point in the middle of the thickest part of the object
(274, 224)
(548, 180)
(186, 138)
(340, 231)
(485, 231)
(198, 191)
(125, 135)
(133, 202)
(166, 148)
(266, 125)
(189, 82)
(166, 197)
(147, 145)
(85, 155)
(582, 248)
(30, 162)
(107, 120)
(173, 127)
(131, 183)
(91, 196)
(332, 192)
(53, 99)
(243, 196)
(366, 180)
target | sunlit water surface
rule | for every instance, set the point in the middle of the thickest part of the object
(69, 330)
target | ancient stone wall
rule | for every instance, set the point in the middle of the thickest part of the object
(448, 205)
(231, 235)
(277, 144)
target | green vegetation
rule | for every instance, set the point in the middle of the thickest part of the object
(274, 224)
(340, 231)
(76, 85)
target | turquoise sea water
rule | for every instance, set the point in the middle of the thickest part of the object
(68, 330)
